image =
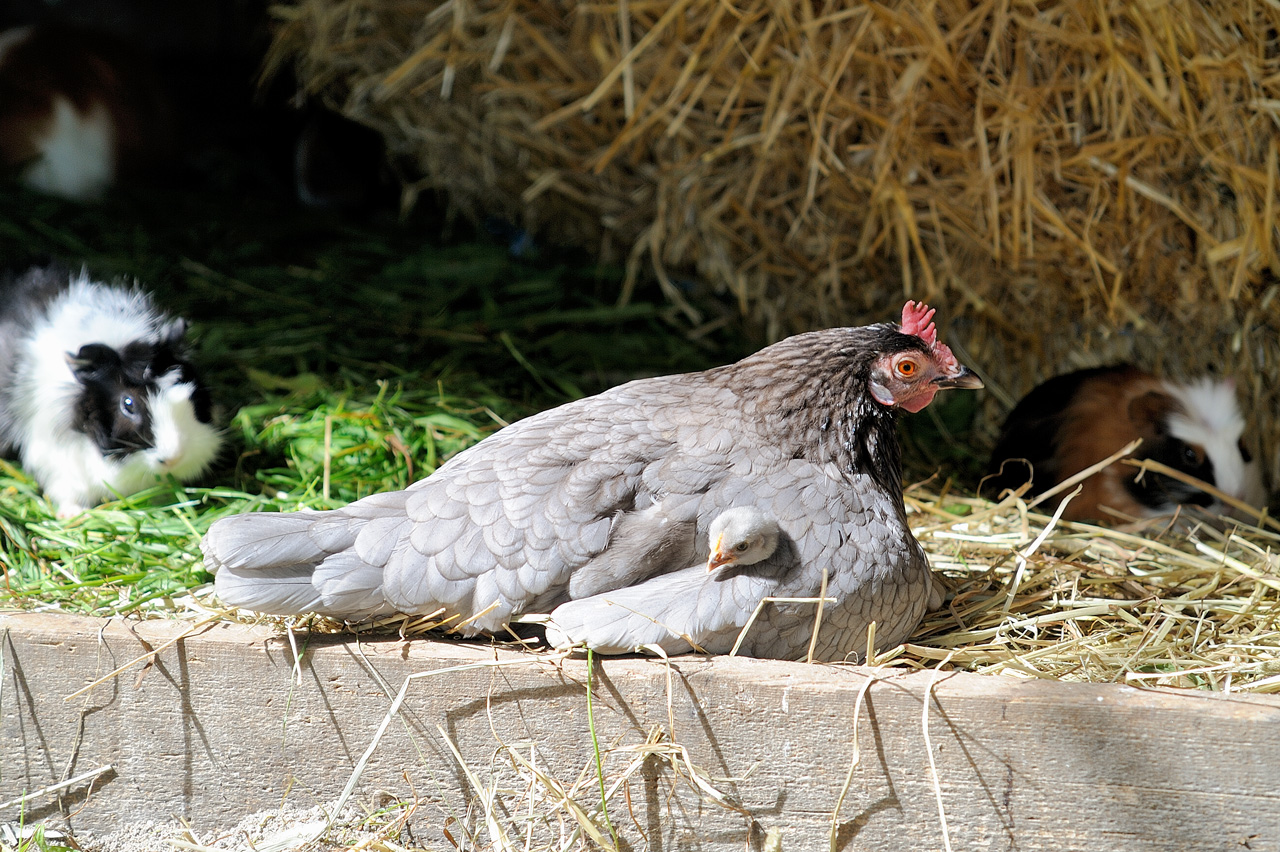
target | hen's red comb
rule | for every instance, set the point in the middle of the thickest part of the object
(917, 319)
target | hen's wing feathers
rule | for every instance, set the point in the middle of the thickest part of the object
(506, 521)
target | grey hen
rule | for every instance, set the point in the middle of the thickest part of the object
(619, 490)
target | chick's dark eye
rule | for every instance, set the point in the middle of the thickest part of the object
(740, 546)
(906, 368)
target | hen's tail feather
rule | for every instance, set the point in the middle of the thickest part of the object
(261, 542)
(349, 588)
(275, 591)
(286, 564)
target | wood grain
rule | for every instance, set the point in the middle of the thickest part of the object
(218, 727)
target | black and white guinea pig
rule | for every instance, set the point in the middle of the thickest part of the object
(1076, 420)
(96, 395)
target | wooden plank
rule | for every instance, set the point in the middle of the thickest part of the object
(220, 727)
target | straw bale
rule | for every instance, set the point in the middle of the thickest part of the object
(1072, 183)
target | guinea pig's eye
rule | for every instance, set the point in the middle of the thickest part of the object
(127, 405)
(1190, 456)
(907, 368)
(1244, 452)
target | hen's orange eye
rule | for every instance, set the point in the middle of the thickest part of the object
(906, 368)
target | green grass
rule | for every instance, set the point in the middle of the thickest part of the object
(402, 344)
(36, 841)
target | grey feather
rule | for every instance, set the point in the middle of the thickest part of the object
(247, 540)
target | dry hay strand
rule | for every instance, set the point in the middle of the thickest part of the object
(1191, 602)
(1072, 183)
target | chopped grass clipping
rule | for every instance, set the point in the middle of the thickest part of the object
(141, 553)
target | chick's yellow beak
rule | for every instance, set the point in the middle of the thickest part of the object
(719, 557)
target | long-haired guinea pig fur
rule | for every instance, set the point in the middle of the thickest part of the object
(1076, 420)
(96, 394)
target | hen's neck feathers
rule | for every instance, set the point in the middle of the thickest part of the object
(811, 398)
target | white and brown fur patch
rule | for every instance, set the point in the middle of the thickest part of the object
(77, 110)
(1072, 422)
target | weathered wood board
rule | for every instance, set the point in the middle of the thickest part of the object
(222, 724)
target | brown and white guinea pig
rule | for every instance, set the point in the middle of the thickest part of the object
(77, 109)
(96, 394)
(1076, 420)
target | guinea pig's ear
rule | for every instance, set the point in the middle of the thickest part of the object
(173, 331)
(90, 358)
(1149, 413)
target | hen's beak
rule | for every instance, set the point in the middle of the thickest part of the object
(965, 378)
(719, 557)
